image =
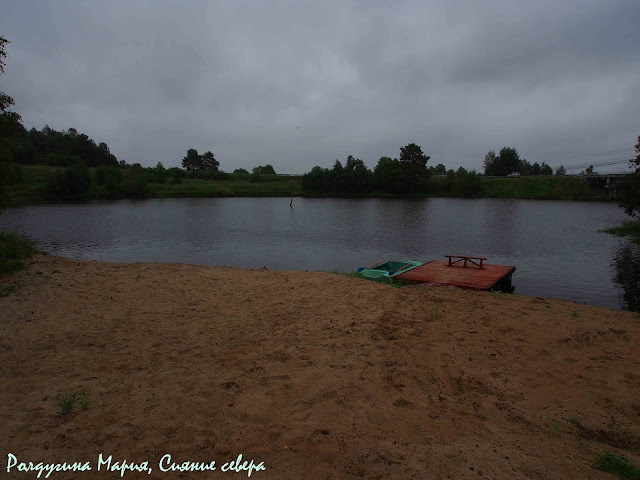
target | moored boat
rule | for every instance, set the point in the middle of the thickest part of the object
(388, 269)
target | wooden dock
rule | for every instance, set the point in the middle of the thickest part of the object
(489, 277)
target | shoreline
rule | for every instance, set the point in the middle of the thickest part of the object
(315, 374)
(332, 272)
(31, 189)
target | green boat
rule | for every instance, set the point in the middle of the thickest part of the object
(387, 270)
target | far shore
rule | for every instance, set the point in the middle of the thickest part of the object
(317, 375)
(31, 188)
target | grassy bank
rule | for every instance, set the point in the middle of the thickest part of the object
(543, 188)
(14, 251)
(630, 229)
(237, 186)
(29, 187)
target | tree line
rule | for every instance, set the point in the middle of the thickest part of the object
(508, 161)
(407, 174)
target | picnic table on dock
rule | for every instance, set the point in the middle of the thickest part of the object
(441, 272)
(465, 258)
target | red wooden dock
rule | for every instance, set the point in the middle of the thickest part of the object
(488, 277)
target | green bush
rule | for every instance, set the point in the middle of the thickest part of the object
(69, 184)
(631, 229)
(15, 174)
(13, 251)
(620, 466)
(207, 175)
(466, 184)
(105, 175)
(135, 182)
(176, 172)
(264, 170)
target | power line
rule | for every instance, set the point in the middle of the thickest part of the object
(580, 157)
(603, 163)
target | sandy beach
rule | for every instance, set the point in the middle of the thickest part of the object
(314, 375)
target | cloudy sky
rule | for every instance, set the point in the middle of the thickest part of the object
(300, 83)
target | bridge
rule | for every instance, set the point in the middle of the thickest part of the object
(613, 181)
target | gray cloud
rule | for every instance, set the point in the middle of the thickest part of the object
(298, 84)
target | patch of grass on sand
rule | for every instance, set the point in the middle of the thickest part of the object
(5, 290)
(617, 465)
(67, 402)
(575, 422)
(383, 280)
(14, 250)
(355, 275)
(631, 229)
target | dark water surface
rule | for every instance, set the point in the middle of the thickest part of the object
(556, 246)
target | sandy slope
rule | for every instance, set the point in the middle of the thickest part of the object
(315, 374)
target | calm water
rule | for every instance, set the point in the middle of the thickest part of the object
(556, 246)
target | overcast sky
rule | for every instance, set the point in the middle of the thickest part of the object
(297, 84)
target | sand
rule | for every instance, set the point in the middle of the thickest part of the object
(316, 375)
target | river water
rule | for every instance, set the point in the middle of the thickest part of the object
(556, 246)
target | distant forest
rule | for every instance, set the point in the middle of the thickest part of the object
(407, 174)
(60, 149)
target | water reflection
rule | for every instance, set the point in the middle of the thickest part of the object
(627, 275)
(503, 216)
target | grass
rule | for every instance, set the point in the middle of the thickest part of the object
(241, 187)
(620, 466)
(83, 398)
(5, 290)
(79, 396)
(30, 189)
(384, 280)
(14, 250)
(542, 188)
(436, 309)
(353, 274)
(574, 314)
(607, 462)
(34, 177)
(553, 426)
(575, 421)
(66, 402)
(627, 229)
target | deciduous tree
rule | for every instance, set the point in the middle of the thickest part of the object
(630, 200)
(11, 127)
(545, 169)
(266, 170)
(490, 164)
(192, 161)
(209, 162)
(506, 162)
